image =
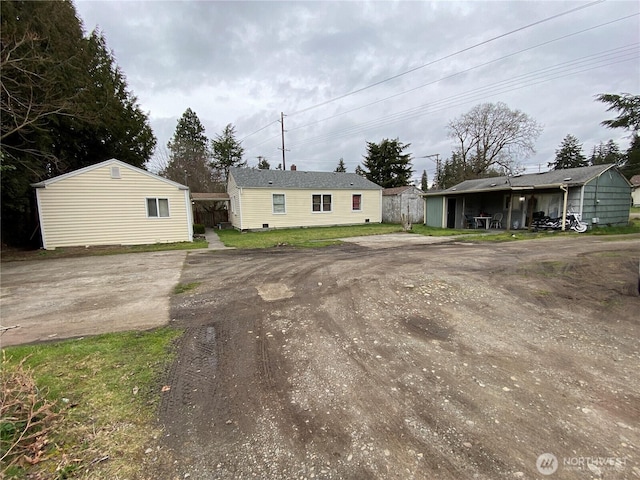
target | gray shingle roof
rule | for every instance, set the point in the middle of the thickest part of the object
(554, 178)
(253, 178)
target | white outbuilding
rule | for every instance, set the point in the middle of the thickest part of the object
(112, 203)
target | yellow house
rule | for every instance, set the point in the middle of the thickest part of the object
(283, 199)
(112, 203)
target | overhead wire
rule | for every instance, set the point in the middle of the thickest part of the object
(484, 42)
(474, 94)
(460, 73)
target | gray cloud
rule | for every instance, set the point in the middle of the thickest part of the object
(245, 62)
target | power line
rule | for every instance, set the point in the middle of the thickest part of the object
(257, 131)
(484, 42)
(461, 72)
(503, 86)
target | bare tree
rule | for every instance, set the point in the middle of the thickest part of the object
(493, 135)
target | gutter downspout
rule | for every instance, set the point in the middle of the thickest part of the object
(565, 189)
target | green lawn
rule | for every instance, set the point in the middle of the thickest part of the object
(106, 390)
(302, 237)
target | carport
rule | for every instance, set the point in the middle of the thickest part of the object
(600, 194)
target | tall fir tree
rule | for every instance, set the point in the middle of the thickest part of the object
(341, 168)
(189, 155)
(569, 154)
(386, 163)
(424, 181)
(227, 151)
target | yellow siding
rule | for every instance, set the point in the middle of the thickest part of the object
(234, 204)
(94, 209)
(257, 208)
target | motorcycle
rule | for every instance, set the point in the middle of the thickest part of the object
(573, 221)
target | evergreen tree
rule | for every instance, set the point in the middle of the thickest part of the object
(64, 105)
(628, 107)
(341, 167)
(569, 155)
(424, 181)
(632, 160)
(189, 155)
(387, 165)
(360, 171)
(605, 153)
(227, 151)
(263, 164)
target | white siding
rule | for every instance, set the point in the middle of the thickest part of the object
(92, 208)
(256, 208)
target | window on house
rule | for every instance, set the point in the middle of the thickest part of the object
(157, 207)
(321, 203)
(278, 203)
(115, 172)
(356, 202)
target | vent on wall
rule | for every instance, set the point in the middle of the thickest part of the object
(115, 172)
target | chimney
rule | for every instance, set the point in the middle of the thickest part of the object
(293, 168)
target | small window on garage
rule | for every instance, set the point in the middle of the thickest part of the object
(157, 207)
(279, 205)
(115, 172)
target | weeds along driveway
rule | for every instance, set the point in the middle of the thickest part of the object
(71, 297)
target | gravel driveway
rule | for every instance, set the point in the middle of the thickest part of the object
(442, 361)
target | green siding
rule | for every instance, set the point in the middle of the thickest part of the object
(608, 198)
(433, 210)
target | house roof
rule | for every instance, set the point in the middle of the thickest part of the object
(297, 179)
(112, 162)
(213, 196)
(572, 177)
(398, 190)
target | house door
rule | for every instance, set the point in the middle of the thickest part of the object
(451, 213)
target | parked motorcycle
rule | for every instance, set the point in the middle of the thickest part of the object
(573, 221)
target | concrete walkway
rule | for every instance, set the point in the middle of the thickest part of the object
(214, 241)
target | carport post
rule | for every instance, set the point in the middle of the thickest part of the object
(509, 212)
(565, 189)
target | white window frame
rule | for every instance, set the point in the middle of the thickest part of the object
(361, 198)
(284, 204)
(322, 195)
(157, 203)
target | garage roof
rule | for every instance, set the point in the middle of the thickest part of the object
(571, 177)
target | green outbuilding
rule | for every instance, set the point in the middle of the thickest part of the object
(600, 194)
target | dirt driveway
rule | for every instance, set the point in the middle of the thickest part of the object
(444, 361)
(72, 297)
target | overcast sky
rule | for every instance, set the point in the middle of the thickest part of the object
(426, 63)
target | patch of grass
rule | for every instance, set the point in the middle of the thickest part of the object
(632, 227)
(67, 252)
(107, 389)
(302, 237)
(635, 210)
(185, 287)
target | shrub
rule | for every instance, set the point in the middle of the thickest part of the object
(26, 418)
(198, 229)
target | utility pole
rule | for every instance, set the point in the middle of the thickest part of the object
(282, 115)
